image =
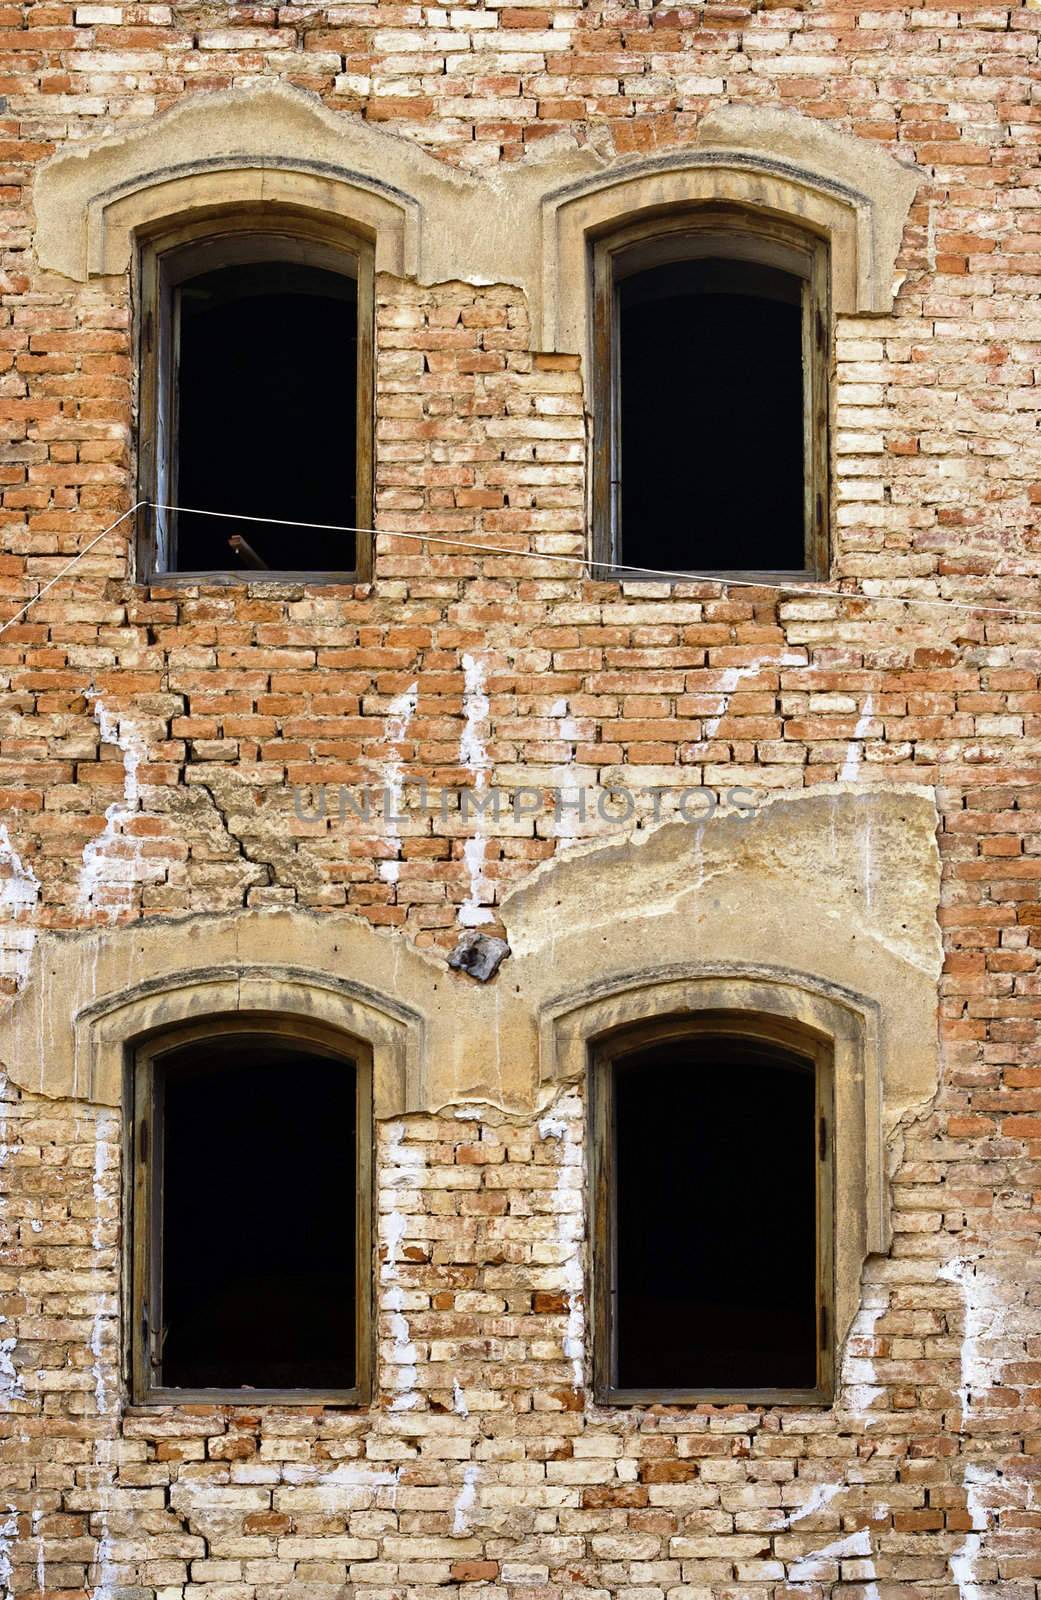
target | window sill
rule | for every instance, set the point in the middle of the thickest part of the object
(240, 580)
(750, 1399)
(770, 579)
(156, 1398)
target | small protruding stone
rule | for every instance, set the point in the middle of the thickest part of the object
(480, 955)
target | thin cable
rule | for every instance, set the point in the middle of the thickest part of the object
(615, 567)
(68, 568)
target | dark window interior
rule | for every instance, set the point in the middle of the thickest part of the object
(711, 418)
(266, 408)
(258, 1217)
(715, 1168)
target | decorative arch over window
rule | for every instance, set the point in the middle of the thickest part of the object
(712, 1211)
(773, 162)
(255, 328)
(250, 1197)
(837, 1029)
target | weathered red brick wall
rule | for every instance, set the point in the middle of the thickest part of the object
(150, 739)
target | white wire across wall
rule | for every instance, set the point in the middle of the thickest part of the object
(612, 569)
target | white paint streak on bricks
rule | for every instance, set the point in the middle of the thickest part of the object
(113, 862)
(395, 730)
(567, 1199)
(983, 1317)
(403, 1171)
(41, 1557)
(965, 1560)
(465, 1501)
(855, 748)
(97, 1329)
(984, 1321)
(19, 895)
(815, 1565)
(734, 675)
(474, 757)
(861, 1389)
(10, 1380)
(821, 1495)
(8, 1534)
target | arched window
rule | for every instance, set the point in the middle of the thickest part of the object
(710, 392)
(256, 399)
(712, 1214)
(251, 1214)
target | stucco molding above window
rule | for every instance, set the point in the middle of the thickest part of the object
(777, 163)
(830, 893)
(820, 913)
(526, 224)
(273, 145)
(92, 996)
(836, 890)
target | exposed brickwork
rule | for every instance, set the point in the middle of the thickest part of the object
(150, 741)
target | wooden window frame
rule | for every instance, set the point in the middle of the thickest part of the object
(144, 1204)
(731, 234)
(602, 1054)
(170, 258)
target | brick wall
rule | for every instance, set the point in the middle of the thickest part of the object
(150, 741)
